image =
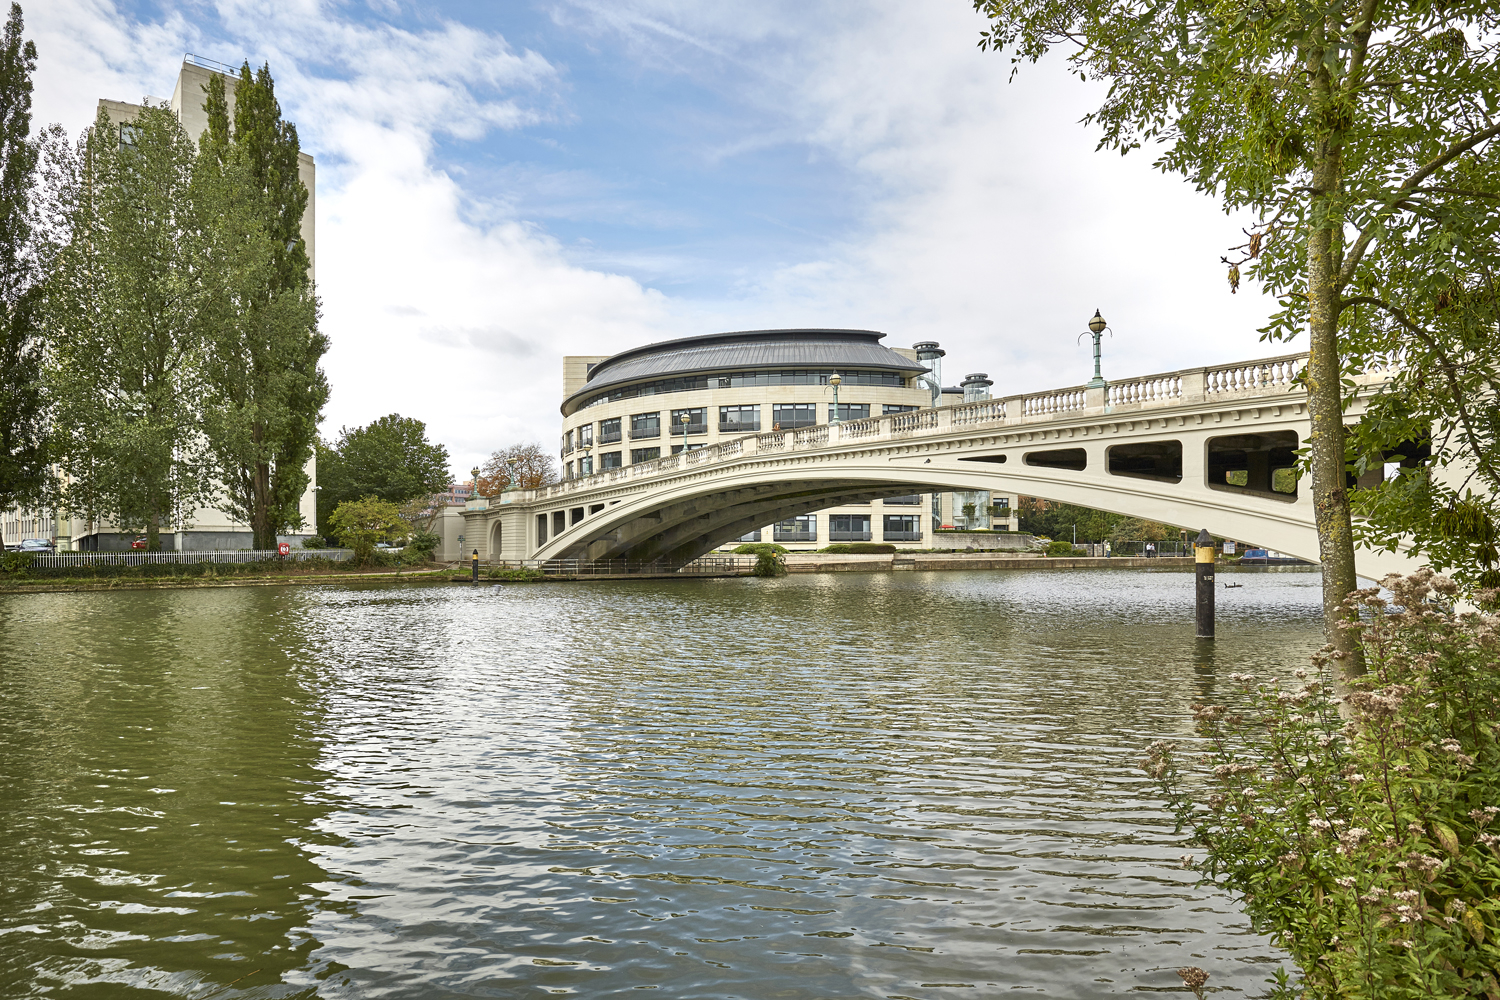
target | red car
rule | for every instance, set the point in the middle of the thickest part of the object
(139, 543)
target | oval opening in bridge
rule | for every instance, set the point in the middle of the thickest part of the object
(1263, 464)
(1157, 460)
(1072, 459)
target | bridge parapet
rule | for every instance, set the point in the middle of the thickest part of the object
(1266, 377)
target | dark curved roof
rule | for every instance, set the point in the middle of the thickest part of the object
(744, 350)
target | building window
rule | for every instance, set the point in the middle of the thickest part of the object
(585, 435)
(677, 448)
(753, 536)
(848, 527)
(609, 460)
(912, 500)
(785, 416)
(609, 431)
(887, 409)
(567, 442)
(744, 380)
(739, 419)
(802, 528)
(697, 420)
(902, 528)
(567, 470)
(849, 411)
(645, 425)
(639, 455)
(129, 134)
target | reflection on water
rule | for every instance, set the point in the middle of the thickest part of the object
(882, 785)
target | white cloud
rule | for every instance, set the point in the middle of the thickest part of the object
(992, 224)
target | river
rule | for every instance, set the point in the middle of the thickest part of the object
(901, 785)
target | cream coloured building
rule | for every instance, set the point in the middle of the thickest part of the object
(206, 528)
(653, 401)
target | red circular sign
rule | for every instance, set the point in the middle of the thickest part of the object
(284, 548)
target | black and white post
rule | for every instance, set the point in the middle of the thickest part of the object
(1204, 564)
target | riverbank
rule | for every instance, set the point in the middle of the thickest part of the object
(288, 578)
(820, 562)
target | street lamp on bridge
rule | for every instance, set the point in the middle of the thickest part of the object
(834, 380)
(510, 482)
(1097, 327)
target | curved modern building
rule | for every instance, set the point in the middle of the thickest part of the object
(656, 400)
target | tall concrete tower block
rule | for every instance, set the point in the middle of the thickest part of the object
(187, 101)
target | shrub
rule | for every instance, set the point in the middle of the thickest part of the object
(769, 564)
(515, 575)
(859, 548)
(15, 563)
(359, 524)
(423, 545)
(1366, 846)
(1061, 548)
(756, 548)
(313, 542)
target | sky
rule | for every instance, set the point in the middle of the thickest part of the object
(502, 184)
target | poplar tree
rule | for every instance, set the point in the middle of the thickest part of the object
(1361, 134)
(23, 427)
(126, 310)
(267, 391)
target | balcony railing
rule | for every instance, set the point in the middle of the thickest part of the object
(847, 536)
(610, 437)
(739, 426)
(913, 500)
(691, 429)
(903, 536)
(644, 432)
(777, 535)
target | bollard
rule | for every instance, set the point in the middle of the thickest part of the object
(1205, 572)
(475, 558)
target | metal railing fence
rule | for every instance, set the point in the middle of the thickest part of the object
(702, 566)
(65, 560)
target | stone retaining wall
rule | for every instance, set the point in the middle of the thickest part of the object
(818, 562)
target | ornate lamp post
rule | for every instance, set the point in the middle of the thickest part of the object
(511, 483)
(475, 473)
(588, 459)
(685, 419)
(834, 381)
(1097, 327)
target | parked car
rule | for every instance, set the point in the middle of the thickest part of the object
(140, 543)
(36, 545)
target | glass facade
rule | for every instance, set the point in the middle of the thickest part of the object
(609, 431)
(740, 380)
(889, 408)
(610, 460)
(802, 528)
(849, 411)
(907, 501)
(785, 416)
(739, 419)
(645, 425)
(697, 420)
(848, 527)
(902, 528)
(638, 455)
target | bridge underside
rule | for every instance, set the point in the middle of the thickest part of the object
(679, 532)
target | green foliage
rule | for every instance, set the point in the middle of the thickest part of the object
(859, 548)
(389, 458)
(424, 544)
(313, 542)
(1061, 548)
(360, 524)
(1057, 520)
(23, 423)
(769, 564)
(15, 563)
(756, 548)
(515, 575)
(127, 315)
(267, 391)
(1366, 846)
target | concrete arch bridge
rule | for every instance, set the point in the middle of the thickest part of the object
(1204, 447)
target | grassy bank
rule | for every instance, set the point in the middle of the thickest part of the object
(151, 577)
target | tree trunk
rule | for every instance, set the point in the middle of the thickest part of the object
(1326, 408)
(260, 506)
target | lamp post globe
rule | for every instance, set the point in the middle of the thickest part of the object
(1097, 327)
(685, 419)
